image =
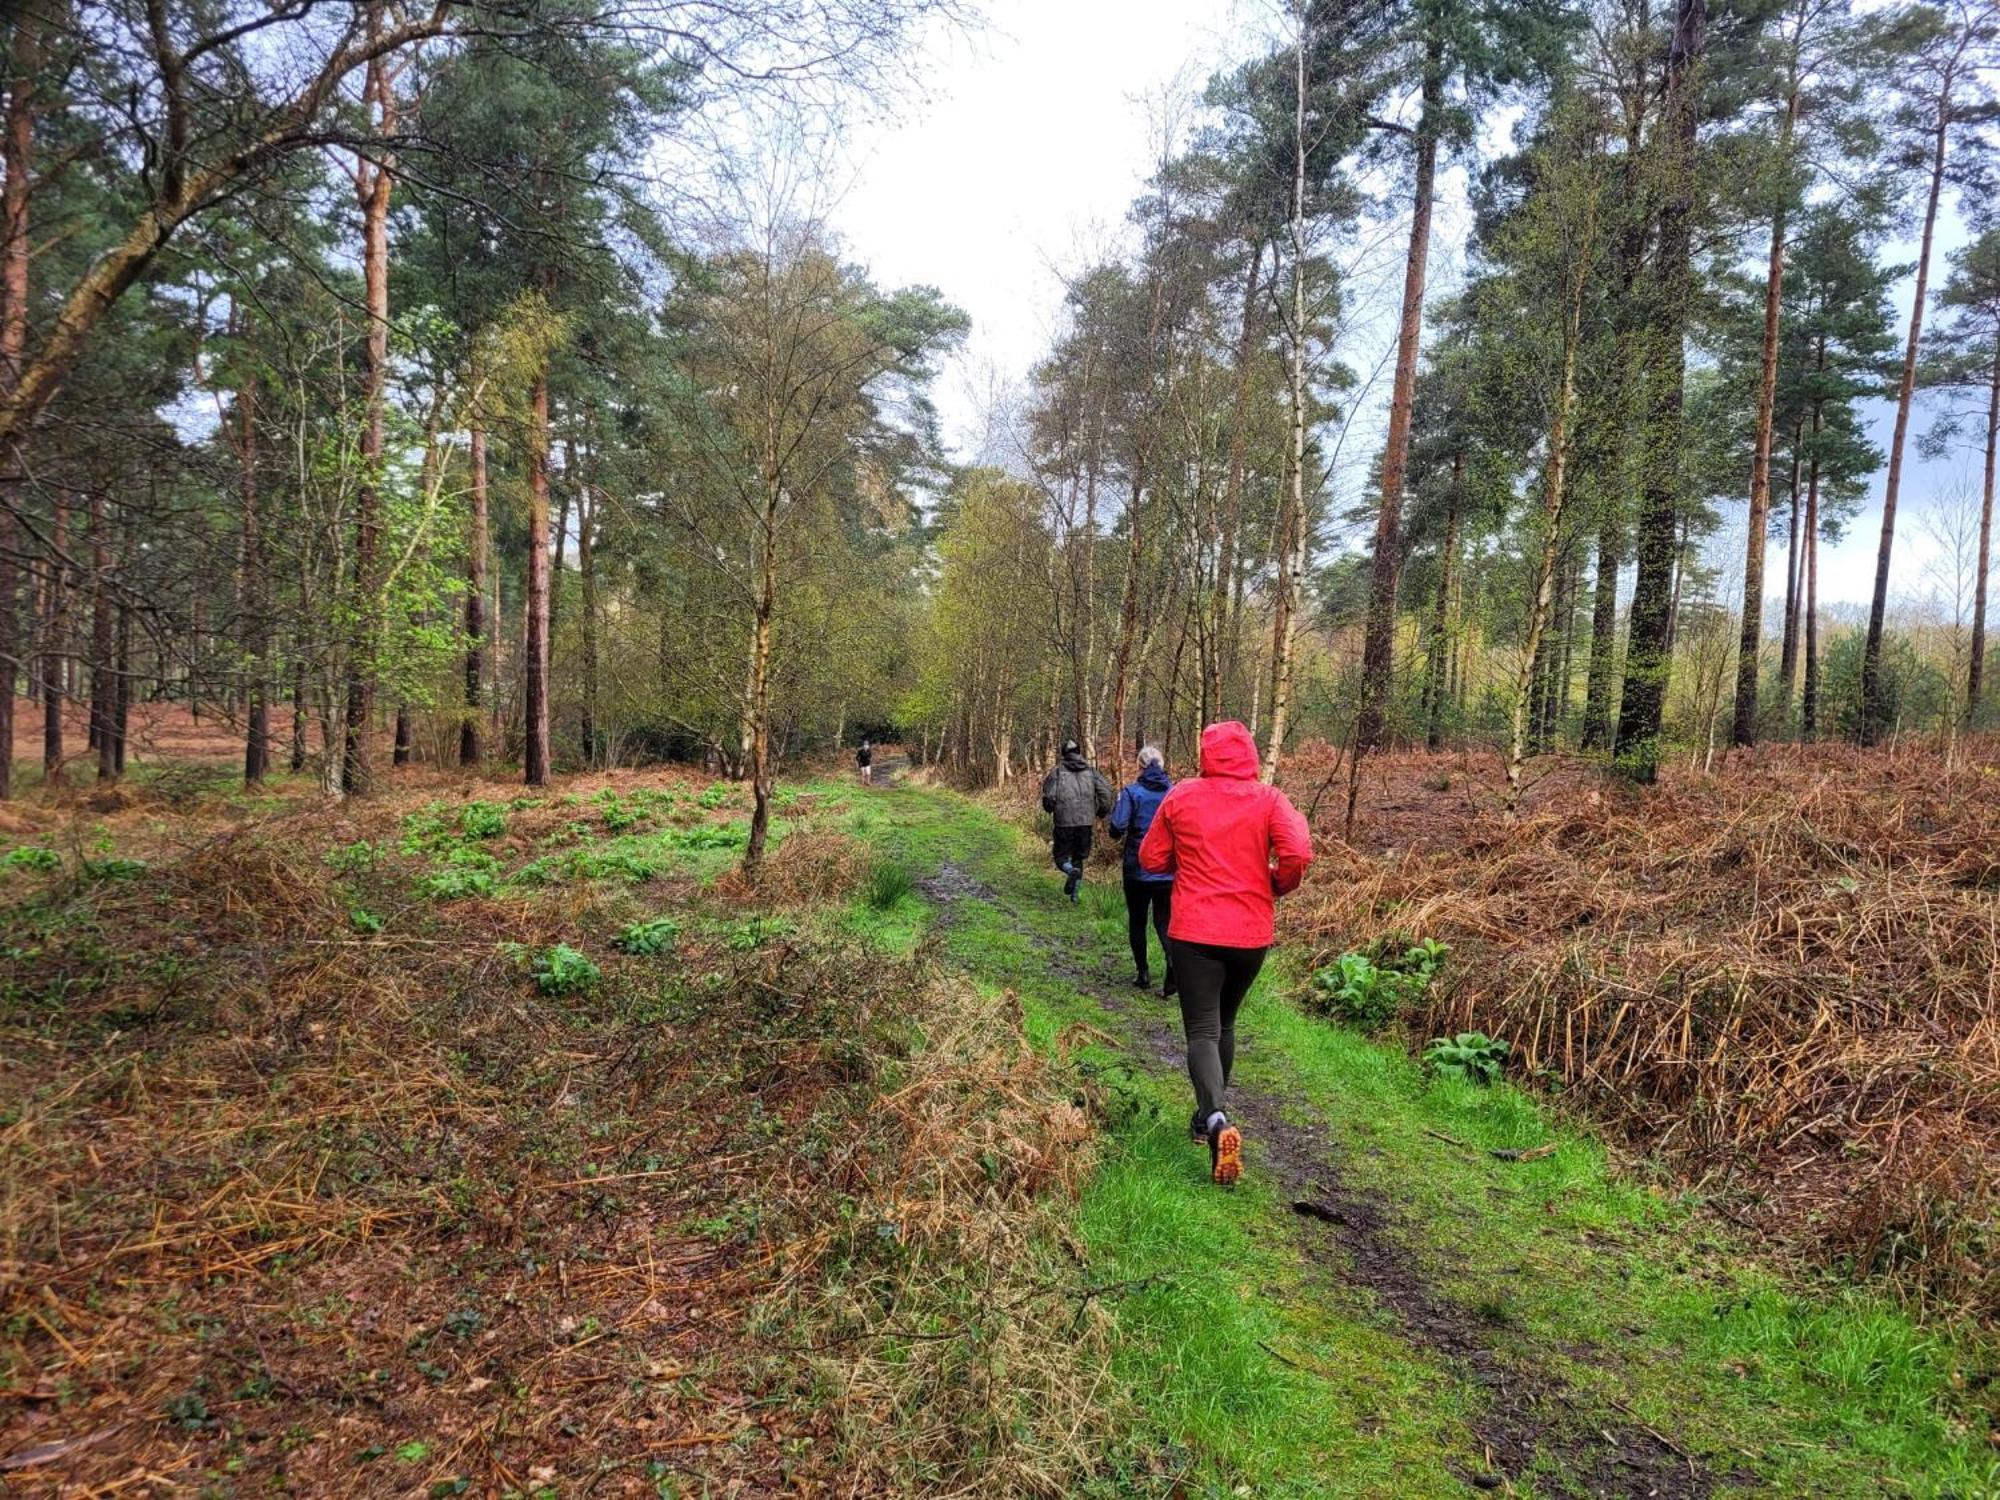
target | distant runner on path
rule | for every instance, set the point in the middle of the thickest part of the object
(1144, 891)
(1234, 846)
(1076, 794)
(864, 757)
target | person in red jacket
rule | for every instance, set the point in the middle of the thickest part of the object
(1234, 846)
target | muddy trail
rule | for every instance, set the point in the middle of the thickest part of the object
(1531, 1426)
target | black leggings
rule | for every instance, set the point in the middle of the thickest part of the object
(1213, 983)
(1140, 897)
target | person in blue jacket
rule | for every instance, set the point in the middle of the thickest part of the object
(1145, 892)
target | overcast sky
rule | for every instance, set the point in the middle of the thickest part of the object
(1017, 163)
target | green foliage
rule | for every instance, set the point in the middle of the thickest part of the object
(614, 864)
(28, 857)
(888, 883)
(354, 859)
(753, 933)
(714, 796)
(482, 820)
(562, 970)
(1369, 989)
(1470, 1055)
(650, 936)
(618, 818)
(114, 868)
(364, 921)
(454, 883)
(710, 836)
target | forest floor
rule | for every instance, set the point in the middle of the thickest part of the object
(467, 1142)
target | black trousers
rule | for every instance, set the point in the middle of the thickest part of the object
(1142, 897)
(1213, 983)
(1072, 846)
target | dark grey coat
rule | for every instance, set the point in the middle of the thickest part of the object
(1076, 793)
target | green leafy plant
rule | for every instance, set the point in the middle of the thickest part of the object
(354, 859)
(550, 869)
(114, 869)
(454, 883)
(1353, 990)
(615, 864)
(710, 836)
(365, 921)
(619, 819)
(1471, 1055)
(750, 935)
(482, 820)
(648, 937)
(714, 796)
(1369, 988)
(28, 857)
(562, 970)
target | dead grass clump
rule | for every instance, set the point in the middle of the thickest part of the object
(807, 868)
(1781, 978)
(963, 1350)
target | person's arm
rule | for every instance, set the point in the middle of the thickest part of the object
(1291, 842)
(1100, 792)
(1156, 851)
(1121, 814)
(1049, 792)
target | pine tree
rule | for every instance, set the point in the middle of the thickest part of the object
(1940, 120)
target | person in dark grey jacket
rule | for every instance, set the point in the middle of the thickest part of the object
(1076, 795)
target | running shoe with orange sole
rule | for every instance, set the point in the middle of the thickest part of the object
(1225, 1155)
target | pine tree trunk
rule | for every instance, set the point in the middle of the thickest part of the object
(1439, 655)
(1223, 623)
(298, 760)
(535, 666)
(1649, 646)
(1788, 656)
(1598, 712)
(103, 642)
(586, 527)
(1975, 679)
(1379, 641)
(1555, 500)
(475, 604)
(1874, 713)
(1809, 712)
(760, 686)
(1290, 527)
(559, 557)
(372, 187)
(256, 608)
(122, 698)
(54, 630)
(16, 152)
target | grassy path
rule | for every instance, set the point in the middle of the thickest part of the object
(1380, 1310)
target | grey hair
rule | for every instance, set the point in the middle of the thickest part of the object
(1149, 755)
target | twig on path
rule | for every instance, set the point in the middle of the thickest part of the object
(1658, 1436)
(1297, 1364)
(1498, 1153)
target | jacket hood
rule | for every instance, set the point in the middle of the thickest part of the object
(1228, 750)
(1073, 761)
(1155, 777)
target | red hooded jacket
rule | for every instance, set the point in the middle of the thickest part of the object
(1218, 834)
